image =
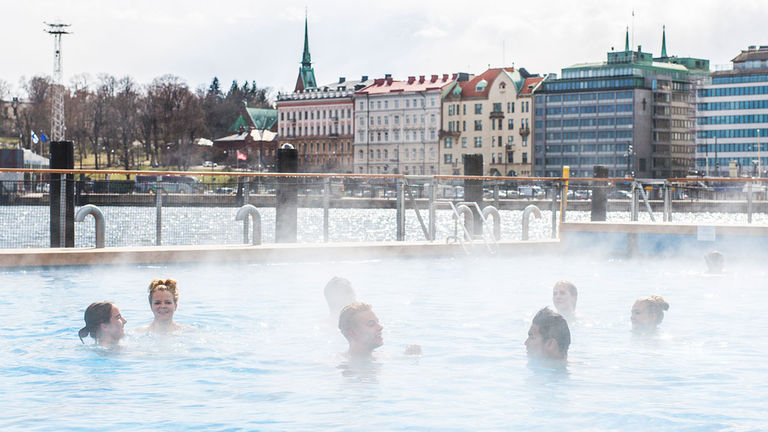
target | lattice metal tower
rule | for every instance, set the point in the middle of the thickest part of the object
(57, 116)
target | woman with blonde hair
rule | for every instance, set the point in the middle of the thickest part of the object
(163, 299)
(647, 313)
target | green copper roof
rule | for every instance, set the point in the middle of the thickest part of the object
(306, 58)
(664, 41)
(626, 40)
(260, 118)
(306, 79)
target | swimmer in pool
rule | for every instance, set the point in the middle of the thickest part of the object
(163, 299)
(564, 296)
(647, 314)
(715, 262)
(362, 329)
(548, 337)
(104, 323)
(338, 293)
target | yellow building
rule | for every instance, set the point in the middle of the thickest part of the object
(489, 114)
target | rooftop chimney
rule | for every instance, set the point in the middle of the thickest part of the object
(411, 79)
(434, 78)
(389, 79)
(421, 79)
(445, 77)
(365, 78)
(378, 81)
(342, 79)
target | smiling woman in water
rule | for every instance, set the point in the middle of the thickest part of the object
(163, 299)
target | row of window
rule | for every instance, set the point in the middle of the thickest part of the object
(312, 131)
(599, 72)
(733, 119)
(587, 122)
(496, 158)
(315, 147)
(383, 154)
(586, 160)
(627, 94)
(731, 133)
(461, 109)
(396, 119)
(730, 147)
(603, 134)
(589, 109)
(725, 162)
(733, 91)
(496, 141)
(740, 79)
(406, 169)
(672, 136)
(586, 148)
(409, 103)
(733, 105)
(315, 114)
(586, 85)
(384, 136)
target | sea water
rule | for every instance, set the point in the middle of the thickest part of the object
(265, 353)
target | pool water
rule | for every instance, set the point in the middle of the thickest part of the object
(265, 355)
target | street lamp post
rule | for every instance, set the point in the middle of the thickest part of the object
(628, 154)
(759, 171)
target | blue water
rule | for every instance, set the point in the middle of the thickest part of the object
(265, 355)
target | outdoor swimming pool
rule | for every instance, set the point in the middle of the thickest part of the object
(265, 354)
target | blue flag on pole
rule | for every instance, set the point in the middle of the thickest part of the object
(43, 138)
(34, 137)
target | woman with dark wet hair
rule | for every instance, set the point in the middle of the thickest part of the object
(104, 323)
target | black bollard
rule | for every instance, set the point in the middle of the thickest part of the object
(473, 189)
(599, 194)
(62, 205)
(286, 199)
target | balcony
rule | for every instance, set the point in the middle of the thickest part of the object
(525, 131)
(444, 133)
(497, 114)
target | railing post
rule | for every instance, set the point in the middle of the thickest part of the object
(667, 202)
(553, 209)
(158, 213)
(326, 206)
(633, 203)
(749, 202)
(433, 194)
(246, 186)
(400, 210)
(496, 195)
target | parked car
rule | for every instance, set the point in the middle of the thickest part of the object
(619, 194)
(210, 164)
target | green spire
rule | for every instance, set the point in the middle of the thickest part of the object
(664, 41)
(626, 41)
(306, 59)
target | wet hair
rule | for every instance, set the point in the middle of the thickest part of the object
(655, 304)
(552, 325)
(164, 285)
(571, 287)
(95, 315)
(348, 313)
(715, 261)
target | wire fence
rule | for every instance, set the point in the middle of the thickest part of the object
(200, 208)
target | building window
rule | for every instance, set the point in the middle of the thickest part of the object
(478, 125)
(448, 143)
(510, 124)
(525, 157)
(463, 142)
(478, 141)
(478, 108)
(448, 158)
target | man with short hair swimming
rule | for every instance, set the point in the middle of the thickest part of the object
(362, 329)
(548, 337)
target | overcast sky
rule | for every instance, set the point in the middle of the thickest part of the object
(262, 40)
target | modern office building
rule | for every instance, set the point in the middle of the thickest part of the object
(732, 117)
(397, 125)
(318, 120)
(489, 114)
(632, 114)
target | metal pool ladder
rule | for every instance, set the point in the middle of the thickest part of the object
(465, 209)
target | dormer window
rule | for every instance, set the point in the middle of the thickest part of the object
(502, 85)
(481, 85)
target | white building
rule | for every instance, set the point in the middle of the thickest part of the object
(397, 125)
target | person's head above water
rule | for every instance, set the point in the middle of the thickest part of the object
(163, 300)
(715, 261)
(564, 296)
(361, 327)
(647, 313)
(338, 293)
(549, 336)
(104, 323)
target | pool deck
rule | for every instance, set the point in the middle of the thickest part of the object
(262, 253)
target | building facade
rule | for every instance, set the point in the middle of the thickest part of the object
(318, 120)
(397, 125)
(732, 117)
(632, 114)
(489, 114)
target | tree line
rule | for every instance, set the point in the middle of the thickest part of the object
(122, 123)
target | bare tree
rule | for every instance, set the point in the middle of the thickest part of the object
(126, 118)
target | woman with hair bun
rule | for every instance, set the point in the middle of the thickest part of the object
(104, 323)
(647, 313)
(163, 300)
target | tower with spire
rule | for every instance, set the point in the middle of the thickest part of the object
(306, 79)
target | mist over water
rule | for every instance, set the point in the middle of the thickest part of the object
(265, 353)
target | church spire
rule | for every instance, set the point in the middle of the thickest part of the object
(664, 41)
(306, 59)
(626, 41)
